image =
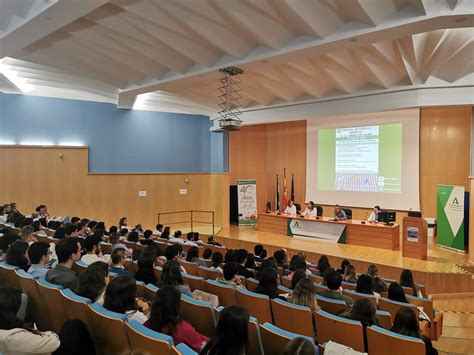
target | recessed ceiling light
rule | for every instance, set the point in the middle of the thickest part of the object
(354, 40)
(461, 19)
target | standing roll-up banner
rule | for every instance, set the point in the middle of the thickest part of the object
(247, 198)
(450, 224)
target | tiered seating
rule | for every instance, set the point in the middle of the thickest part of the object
(225, 293)
(200, 314)
(257, 305)
(194, 282)
(331, 306)
(275, 339)
(385, 342)
(53, 301)
(207, 273)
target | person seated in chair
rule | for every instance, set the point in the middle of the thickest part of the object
(68, 251)
(230, 276)
(241, 259)
(94, 252)
(291, 208)
(310, 210)
(39, 255)
(373, 217)
(339, 213)
(334, 280)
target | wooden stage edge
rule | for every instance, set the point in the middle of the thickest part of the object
(441, 273)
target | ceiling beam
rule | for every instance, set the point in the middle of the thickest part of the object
(311, 46)
(52, 19)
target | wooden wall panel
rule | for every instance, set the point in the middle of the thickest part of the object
(34, 175)
(248, 159)
(445, 151)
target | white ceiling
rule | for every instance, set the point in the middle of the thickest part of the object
(163, 55)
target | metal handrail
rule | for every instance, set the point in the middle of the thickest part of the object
(191, 212)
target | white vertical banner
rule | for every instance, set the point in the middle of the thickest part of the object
(247, 199)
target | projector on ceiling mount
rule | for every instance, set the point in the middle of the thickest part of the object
(230, 124)
(230, 98)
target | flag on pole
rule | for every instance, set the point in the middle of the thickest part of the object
(285, 191)
(292, 194)
(277, 204)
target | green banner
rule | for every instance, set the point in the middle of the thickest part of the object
(247, 200)
(450, 215)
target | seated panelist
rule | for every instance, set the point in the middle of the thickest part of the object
(339, 213)
(373, 217)
(291, 208)
(310, 210)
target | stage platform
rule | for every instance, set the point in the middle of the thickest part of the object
(443, 272)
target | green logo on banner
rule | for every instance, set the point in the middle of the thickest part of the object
(455, 201)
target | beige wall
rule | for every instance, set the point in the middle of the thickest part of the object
(33, 175)
(261, 151)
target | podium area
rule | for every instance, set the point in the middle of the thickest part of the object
(443, 269)
(351, 231)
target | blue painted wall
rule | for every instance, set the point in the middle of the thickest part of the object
(118, 140)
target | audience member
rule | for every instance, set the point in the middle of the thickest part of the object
(365, 285)
(344, 264)
(27, 234)
(230, 276)
(193, 256)
(120, 297)
(190, 240)
(406, 280)
(68, 252)
(138, 228)
(267, 263)
(373, 271)
(60, 233)
(176, 238)
(229, 256)
(147, 238)
(171, 276)
(93, 251)
(146, 268)
(114, 239)
(304, 294)
(117, 261)
(165, 234)
(281, 258)
(300, 346)
(15, 336)
(406, 323)
(379, 285)
(93, 282)
(297, 276)
(334, 280)
(257, 251)
(211, 241)
(71, 230)
(231, 334)
(326, 273)
(363, 311)
(350, 274)
(250, 263)
(113, 229)
(159, 229)
(39, 255)
(217, 260)
(196, 238)
(396, 293)
(297, 263)
(165, 317)
(123, 223)
(206, 254)
(241, 259)
(133, 237)
(16, 255)
(268, 284)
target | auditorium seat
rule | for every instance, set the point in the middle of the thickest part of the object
(392, 306)
(200, 314)
(319, 211)
(385, 342)
(255, 340)
(157, 270)
(145, 340)
(191, 268)
(252, 284)
(217, 249)
(194, 282)
(150, 292)
(183, 349)
(77, 307)
(208, 273)
(348, 212)
(225, 293)
(257, 305)
(274, 339)
(286, 281)
(320, 287)
(348, 285)
(340, 330)
(140, 289)
(54, 303)
(292, 318)
(357, 296)
(330, 305)
(8, 275)
(36, 309)
(106, 248)
(111, 336)
(316, 278)
(384, 318)
(130, 266)
(282, 290)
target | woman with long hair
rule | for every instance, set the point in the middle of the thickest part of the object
(268, 283)
(406, 323)
(171, 276)
(16, 255)
(366, 285)
(231, 335)
(16, 337)
(27, 234)
(93, 282)
(304, 294)
(396, 293)
(406, 280)
(363, 311)
(166, 318)
(146, 271)
(121, 297)
(349, 274)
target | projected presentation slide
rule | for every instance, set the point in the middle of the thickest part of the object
(365, 158)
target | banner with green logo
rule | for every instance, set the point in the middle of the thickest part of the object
(247, 201)
(450, 205)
